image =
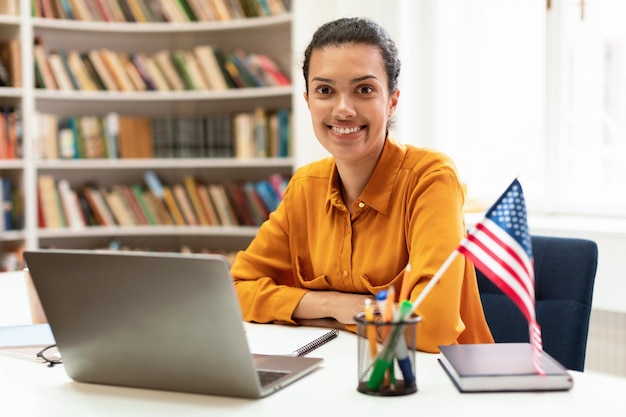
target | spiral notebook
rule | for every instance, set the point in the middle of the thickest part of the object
(287, 340)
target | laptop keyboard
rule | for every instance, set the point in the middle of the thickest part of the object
(267, 377)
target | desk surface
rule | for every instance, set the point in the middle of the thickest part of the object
(32, 389)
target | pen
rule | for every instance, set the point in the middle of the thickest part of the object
(390, 304)
(371, 329)
(404, 289)
(401, 351)
(381, 302)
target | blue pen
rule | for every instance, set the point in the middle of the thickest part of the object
(404, 362)
(381, 301)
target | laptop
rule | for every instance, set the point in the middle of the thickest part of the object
(162, 321)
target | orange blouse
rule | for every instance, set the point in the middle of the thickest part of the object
(410, 208)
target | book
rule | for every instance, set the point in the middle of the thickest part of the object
(50, 203)
(93, 72)
(180, 65)
(140, 67)
(70, 205)
(11, 56)
(184, 204)
(221, 9)
(210, 67)
(6, 214)
(131, 199)
(5, 77)
(203, 10)
(207, 205)
(115, 67)
(135, 137)
(288, 340)
(164, 62)
(163, 199)
(27, 335)
(154, 71)
(149, 214)
(99, 206)
(92, 136)
(497, 367)
(68, 70)
(61, 76)
(134, 76)
(224, 212)
(41, 59)
(121, 212)
(24, 341)
(100, 69)
(191, 187)
(81, 73)
(172, 206)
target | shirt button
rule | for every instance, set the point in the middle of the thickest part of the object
(361, 204)
(345, 273)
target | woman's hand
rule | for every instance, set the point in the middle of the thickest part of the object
(330, 304)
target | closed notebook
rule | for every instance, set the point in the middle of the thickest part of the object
(24, 341)
(501, 367)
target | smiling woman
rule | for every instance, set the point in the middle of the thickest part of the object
(349, 224)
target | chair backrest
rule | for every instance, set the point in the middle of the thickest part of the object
(565, 270)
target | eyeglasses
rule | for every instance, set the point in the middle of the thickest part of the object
(50, 356)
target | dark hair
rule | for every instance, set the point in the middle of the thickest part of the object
(360, 31)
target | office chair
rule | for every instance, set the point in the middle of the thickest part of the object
(565, 270)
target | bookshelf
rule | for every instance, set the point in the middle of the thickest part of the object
(267, 35)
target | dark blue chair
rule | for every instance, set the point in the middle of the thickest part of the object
(565, 270)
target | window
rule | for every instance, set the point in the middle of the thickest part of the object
(522, 91)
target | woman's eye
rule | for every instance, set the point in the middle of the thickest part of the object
(365, 89)
(323, 90)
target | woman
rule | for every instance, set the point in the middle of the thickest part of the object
(349, 224)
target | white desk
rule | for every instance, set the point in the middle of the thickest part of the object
(32, 389)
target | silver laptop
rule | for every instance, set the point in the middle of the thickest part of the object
(154, 320)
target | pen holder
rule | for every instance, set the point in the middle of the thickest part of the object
(386, 354)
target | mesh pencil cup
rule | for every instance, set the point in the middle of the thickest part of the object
(386, 355)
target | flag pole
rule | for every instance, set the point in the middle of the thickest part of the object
(434, 279)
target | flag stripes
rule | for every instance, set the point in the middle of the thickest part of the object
(504, 262)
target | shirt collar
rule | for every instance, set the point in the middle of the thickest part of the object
(377, 192)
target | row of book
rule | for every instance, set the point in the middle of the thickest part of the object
(10, 133)
(189, 203)
(143, 11)
(259, 134)
(12, 213)
(202, 68)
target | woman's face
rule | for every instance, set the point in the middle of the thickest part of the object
(349, 101)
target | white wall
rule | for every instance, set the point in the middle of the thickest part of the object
(308, 16)
(409, 21)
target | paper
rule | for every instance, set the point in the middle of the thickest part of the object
(26, 336)
(284, 340)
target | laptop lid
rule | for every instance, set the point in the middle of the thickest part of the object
(163, 321)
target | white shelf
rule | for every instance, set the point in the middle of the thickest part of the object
(250, 24)
(266, 35)
(156, 163)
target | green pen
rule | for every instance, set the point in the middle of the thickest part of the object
(385, 359)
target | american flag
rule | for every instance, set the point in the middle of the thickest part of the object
(500, 247)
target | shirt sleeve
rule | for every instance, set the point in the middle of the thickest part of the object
(435, 228)
(262, 273)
